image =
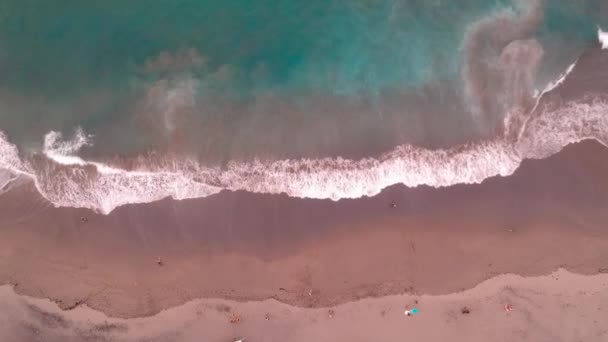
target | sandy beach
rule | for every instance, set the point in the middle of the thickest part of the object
(311, 253)
(518, 257)
(558, 307)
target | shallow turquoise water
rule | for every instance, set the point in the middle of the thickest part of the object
(82, 63)
(362, 43)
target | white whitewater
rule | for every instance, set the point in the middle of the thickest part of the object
(602, 36)
(64, 181)
(68, 180)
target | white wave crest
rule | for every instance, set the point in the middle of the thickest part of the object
(71, 181)
(9, 155)
(602, 36)
(413, 166)
(62, 151)
(554, 84)
(548, 88)
(65, 179)
(109, 187)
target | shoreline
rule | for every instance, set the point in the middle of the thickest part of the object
(501, 308)
(311, 253)
(569, 111)
(250, 198)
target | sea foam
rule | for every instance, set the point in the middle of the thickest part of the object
(602, 36)
(68, 180)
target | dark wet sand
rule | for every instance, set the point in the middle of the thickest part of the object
(551, 213)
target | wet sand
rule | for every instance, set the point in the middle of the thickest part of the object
(558, 307)
(311, 253)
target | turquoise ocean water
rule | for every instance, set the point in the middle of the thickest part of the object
(104, 103)
(284, 78)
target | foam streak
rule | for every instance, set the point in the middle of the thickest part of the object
(603, 38)
(68, 180)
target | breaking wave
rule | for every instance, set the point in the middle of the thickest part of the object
(68, 180)
(603, 38)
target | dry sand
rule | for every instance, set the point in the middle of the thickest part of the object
(557, 307)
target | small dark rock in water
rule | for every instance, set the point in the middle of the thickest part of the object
(84, 219)
(159, 261)
(465, 311)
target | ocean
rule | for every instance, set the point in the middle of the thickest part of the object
(108, 103)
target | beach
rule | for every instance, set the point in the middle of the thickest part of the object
(291, 186)
(558, 306)
(311, 253)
